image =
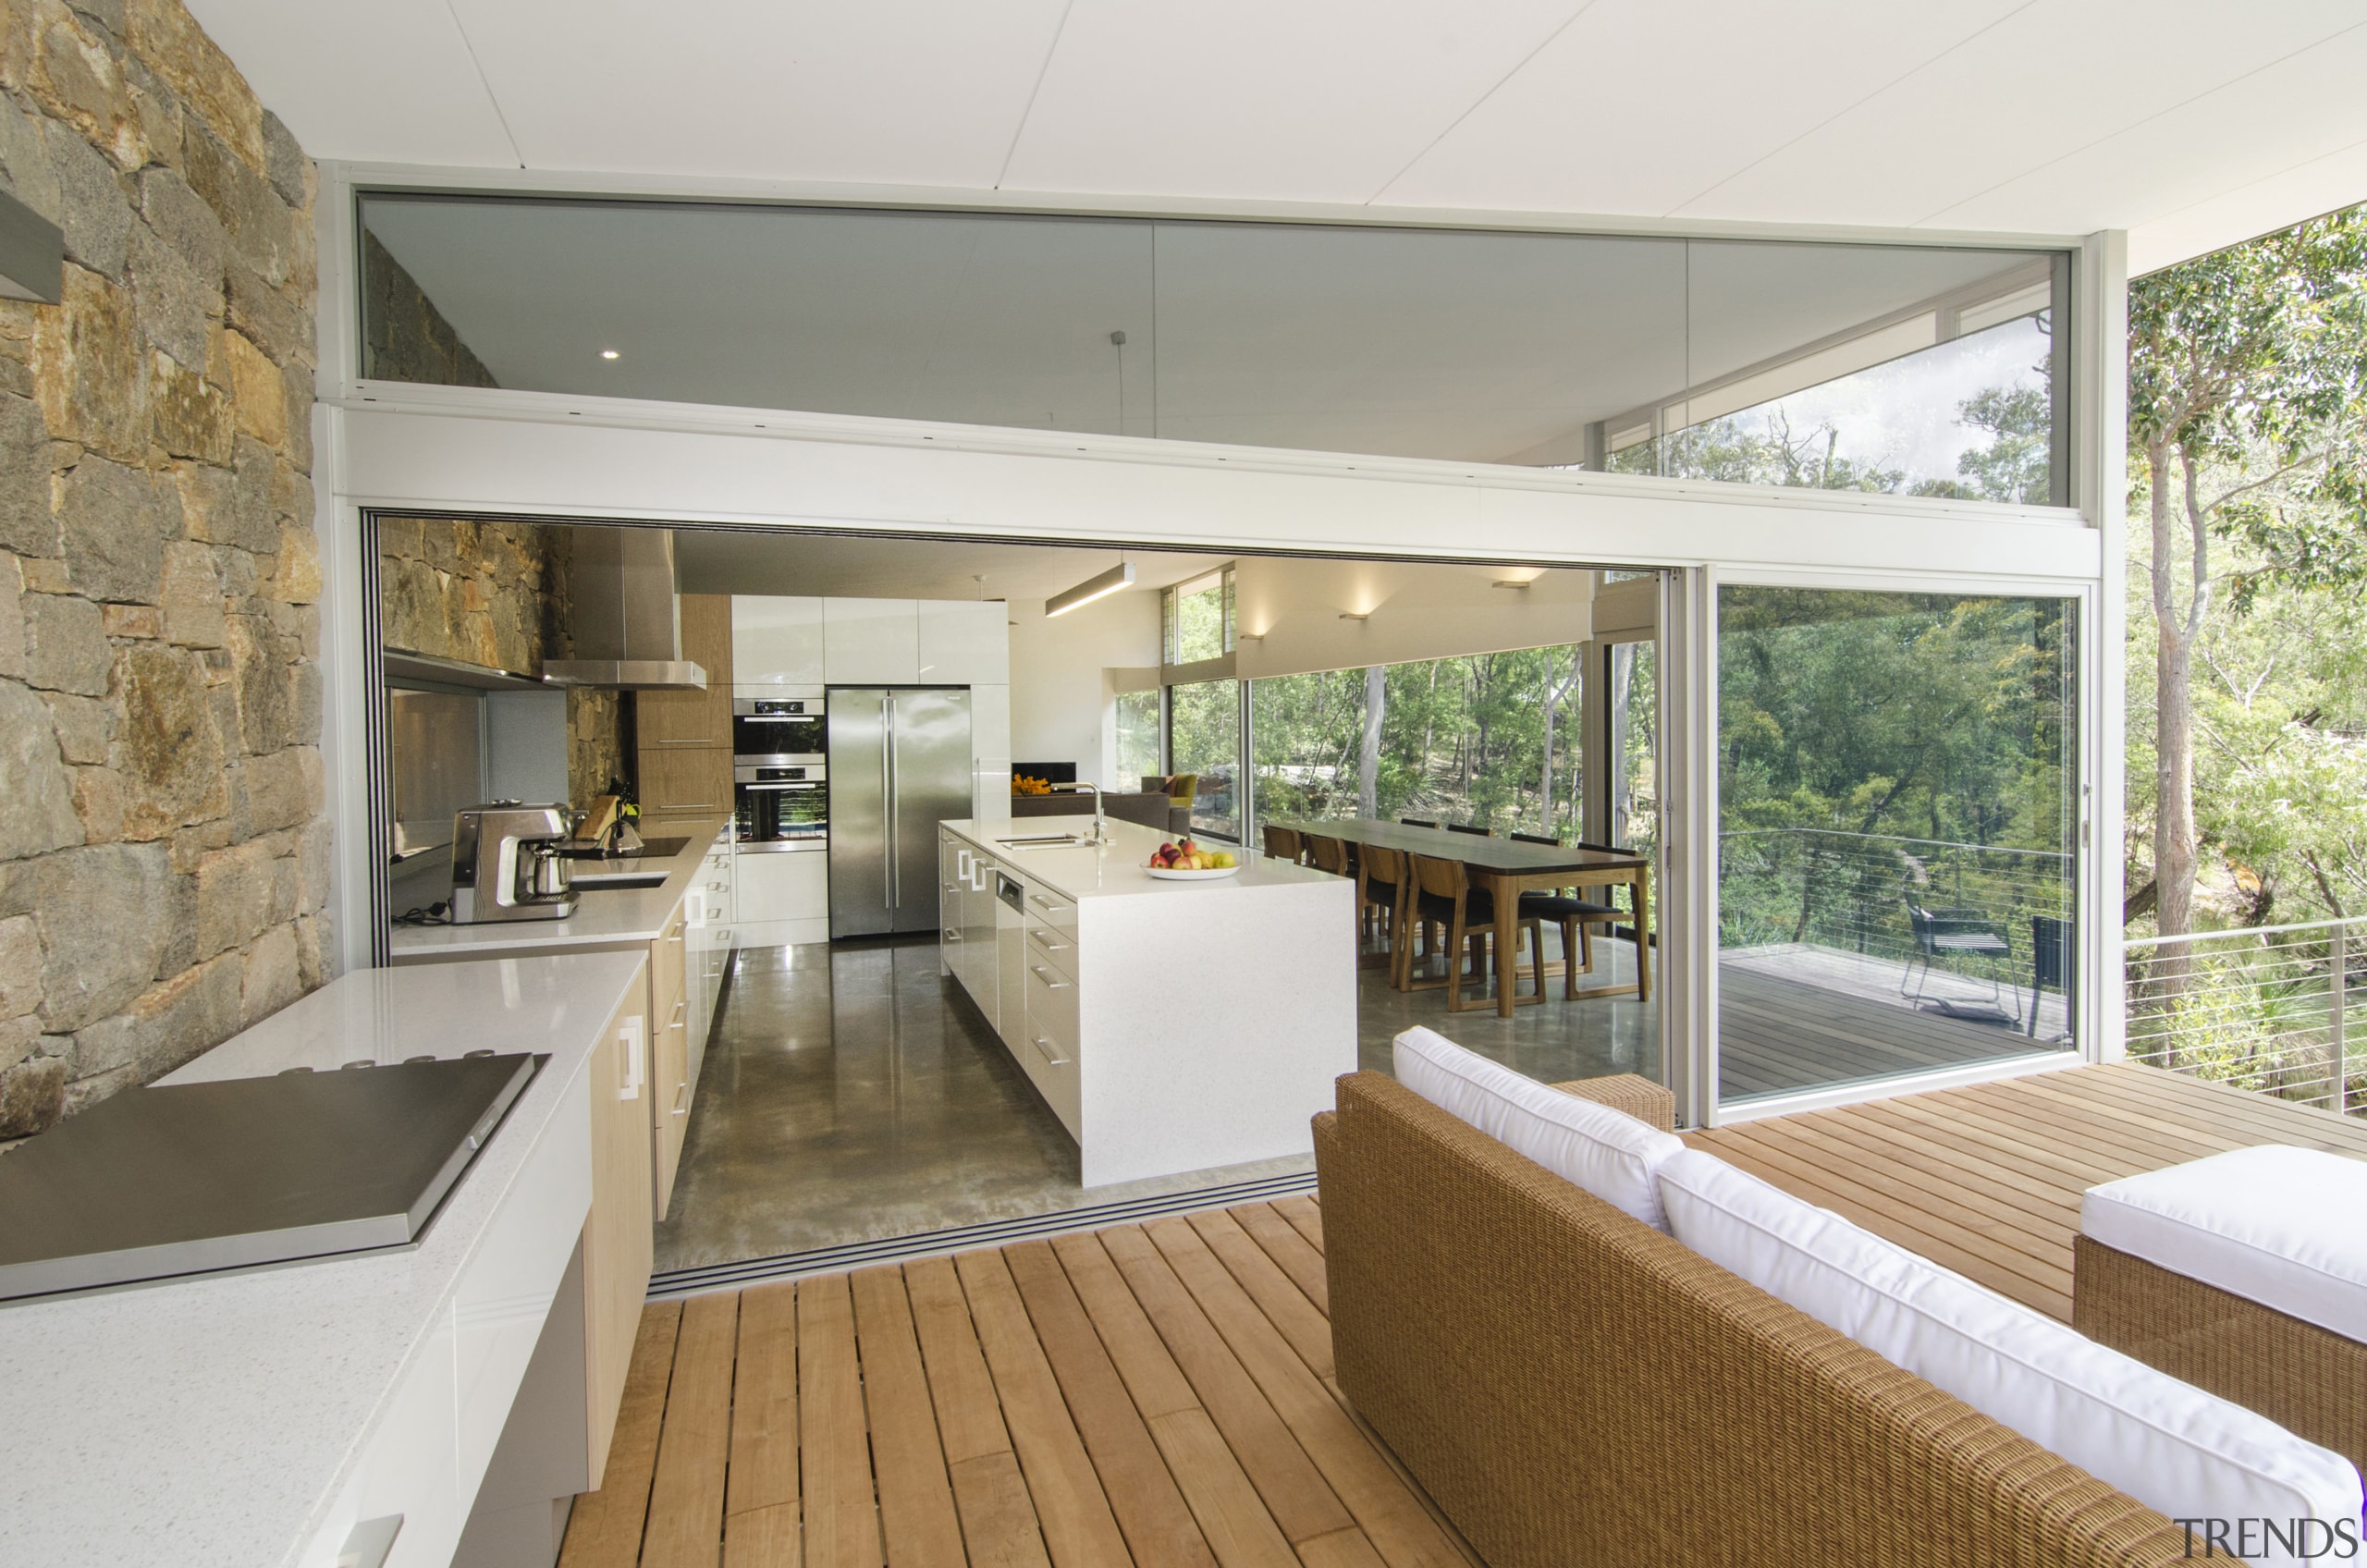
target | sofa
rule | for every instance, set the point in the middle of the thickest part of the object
(1571, 1384)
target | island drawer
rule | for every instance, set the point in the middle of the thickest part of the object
(1052, 945)
(1047, 1050)
(1056, 909)
(1051, 1005)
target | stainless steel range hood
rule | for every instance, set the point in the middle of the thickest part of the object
(627, 623)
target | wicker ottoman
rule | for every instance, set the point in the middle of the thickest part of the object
(2244, 1274)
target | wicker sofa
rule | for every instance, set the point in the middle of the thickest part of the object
(1572, 1386)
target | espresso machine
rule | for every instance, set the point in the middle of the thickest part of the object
(506, 864)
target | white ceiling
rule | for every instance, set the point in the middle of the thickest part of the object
(713, 560)
(2190, 123)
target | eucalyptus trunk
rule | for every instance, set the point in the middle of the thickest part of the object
(1369, 756)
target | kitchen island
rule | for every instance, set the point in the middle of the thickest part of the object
(1170, 1025)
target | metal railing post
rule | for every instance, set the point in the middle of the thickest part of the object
(2341, 988)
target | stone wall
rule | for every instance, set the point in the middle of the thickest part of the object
(164, 858)
(496, 595)
(404, 337)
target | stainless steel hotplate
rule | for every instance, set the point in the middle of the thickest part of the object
(190, 1178)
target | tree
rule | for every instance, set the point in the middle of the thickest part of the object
(2246, 375)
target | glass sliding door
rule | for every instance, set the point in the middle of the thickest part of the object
(1897, 831)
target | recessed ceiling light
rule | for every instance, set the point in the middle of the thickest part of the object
(610, 354)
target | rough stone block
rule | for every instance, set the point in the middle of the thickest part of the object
(193, 419)
(32, 1097)
(85, 726)
(296, 579)
(19, 1036)
(192, 599)
(27, 524)
(261, 227)
(257, 393)
(267, 684)
(171, 752)
(284, 161)
(89, 370)
(273, 978)
(279, 791)
(37, 805)
(20, 973)
(234, 897)
(12, 619)
(100, 936)
(179, 217)
(263, 311)
(24, 159)
(131, 621)
(92, 209)
(175, 296)
(193, 65)
(117, 519)
(100, 800)
(65, 648)
(75, 76)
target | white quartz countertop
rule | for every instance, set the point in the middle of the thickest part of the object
(1121, 867)
(604, 917)
(215, 1420)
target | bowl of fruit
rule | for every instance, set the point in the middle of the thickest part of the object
(1187, 862)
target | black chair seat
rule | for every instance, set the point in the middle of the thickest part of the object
(1556, 907)
(1478, 909)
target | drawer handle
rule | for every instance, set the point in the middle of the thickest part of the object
(683, 1099)
(636, 1069)
(1046, 975)
(1043, 941)
(1040, 901)
(678, 1011)
(1044, 1049)
(951, 935)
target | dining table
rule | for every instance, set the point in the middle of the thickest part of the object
(1507, 868)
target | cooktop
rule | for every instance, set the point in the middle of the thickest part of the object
(190, 1178)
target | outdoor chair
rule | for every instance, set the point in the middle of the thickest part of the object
(1945, 937)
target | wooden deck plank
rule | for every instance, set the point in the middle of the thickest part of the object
(1399, 1526)
(1232, 1517)
(1152, 1515)
(1306, 1217)
(762, 1538)
(605, 1527)
(1285, 1305)
(998, 1517)
(1079, 1530)
(1290, 1251)
(918, 1526)
(1157, 1384)
(686, 1499)
(834, 1437)
(1349, 1548)
(1294, 1491)
(764, 1402)
(969, 1420)
(1889, 1174)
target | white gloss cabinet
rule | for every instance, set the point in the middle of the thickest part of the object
(871, 642)
(775, 642)
(963, 642)
(782, 898)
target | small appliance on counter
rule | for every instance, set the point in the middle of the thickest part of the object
(189, 1178)
(509, 863)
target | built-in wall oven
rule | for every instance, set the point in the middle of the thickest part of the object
(779, 732)
(782, 806)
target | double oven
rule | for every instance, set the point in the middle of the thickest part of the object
(780, 786)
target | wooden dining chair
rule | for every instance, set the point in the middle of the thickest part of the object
(1381, 896)
(1326, 853)
(1467, 827)
(1415, 822)
(1284, 843)
(1574, 914)
(1443, 896)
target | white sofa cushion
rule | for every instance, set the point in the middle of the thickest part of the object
(2163, 1442)
(2281, 1226)
(1607, 1152)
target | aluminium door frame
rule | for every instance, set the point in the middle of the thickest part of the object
(2093, 859)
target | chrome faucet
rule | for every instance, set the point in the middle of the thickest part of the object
(1101, 824)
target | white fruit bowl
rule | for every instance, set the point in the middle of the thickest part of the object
(1168, 874)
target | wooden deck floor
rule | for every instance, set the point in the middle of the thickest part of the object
(1777, 1034)
(1156, 1394)
(1986, 1180)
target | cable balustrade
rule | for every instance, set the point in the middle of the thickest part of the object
(2263, 1008)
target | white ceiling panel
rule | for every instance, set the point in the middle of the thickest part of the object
(2321, 185)
(890, 92)
(2301, 104)
(1646, 104)
(2054, 76)
(1324, 100)
(386, 80)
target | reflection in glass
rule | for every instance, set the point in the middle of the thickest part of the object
(1138, 749)
(1897, 828)
(1198, 616)
(1203, 737)
(1919, 369)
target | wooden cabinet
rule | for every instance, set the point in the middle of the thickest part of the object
(670, 1076)
(617, 1237)
(684, 782)
(672, 719)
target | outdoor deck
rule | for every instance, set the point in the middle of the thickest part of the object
(1986, 1180)
(1798, 1015)
(1156, 1394)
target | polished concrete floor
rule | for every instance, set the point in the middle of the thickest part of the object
(850, 1094)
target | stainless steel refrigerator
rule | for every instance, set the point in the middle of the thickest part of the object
(899, 764)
